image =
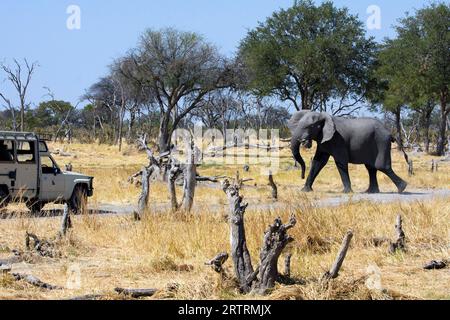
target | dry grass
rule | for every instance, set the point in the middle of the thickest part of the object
(111, 251)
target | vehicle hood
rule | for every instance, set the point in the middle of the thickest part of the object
(76, 175)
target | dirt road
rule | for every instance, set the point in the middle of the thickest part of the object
(416, 195)
(381, 198)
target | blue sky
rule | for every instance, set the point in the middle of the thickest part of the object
(71, 60)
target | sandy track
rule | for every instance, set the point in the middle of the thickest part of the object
(382, 198)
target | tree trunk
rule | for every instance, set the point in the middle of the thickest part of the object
(164, 134)
(275, 240)
(66, 222)
(400, 242)
(398, 127)
(94, 127)
(242, 262)
(22, 116)
(305, 99)
(190, 180)
(224, 129)
(443, 125)
(427, 122)
(334, 271)
(274, 187)
(174, 172)
(143, 198)
(131, 125)
(120, 129)
(14, 120)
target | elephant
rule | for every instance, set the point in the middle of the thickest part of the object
(357, 141)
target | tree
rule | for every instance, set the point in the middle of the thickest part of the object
(178, 70)
(394, 88)
(105, 96)
(310, 55)
(20, 79)
(7, 104)
(426, 34)
(53, 113)
(415, 70)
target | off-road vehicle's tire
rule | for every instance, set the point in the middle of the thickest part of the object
(78, 202)
(35, 206)
(4, 198)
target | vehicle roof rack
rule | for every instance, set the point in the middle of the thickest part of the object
(17, 135)
(45, 136)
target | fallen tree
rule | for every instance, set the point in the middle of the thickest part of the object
(136, 293)
(30, 279)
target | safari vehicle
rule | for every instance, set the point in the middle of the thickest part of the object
(28, 173)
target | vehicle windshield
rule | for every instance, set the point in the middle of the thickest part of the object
(48, 165)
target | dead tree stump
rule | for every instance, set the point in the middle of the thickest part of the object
(66, 222)
(334, 271)
(145, 192)
(173, 174)
(287, 266)
(274, 187)
(434, 166)
(410, 168)
(275, 240)
(155, 166)
(243, 268)
(400, 242)
(218, 261)
(217, 265)
(189, 185)
(42, 247)
(190, 178)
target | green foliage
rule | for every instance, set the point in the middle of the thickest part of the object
(49, 113)
(315, 53)
(416, 64)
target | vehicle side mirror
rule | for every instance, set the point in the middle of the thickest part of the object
(56, 171)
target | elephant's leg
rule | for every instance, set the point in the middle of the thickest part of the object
(399, 182)
(343, 171)
(319, 162)
(373, 187)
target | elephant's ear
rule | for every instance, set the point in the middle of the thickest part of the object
(329, 128)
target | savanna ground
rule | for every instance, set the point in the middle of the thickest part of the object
(169, 250)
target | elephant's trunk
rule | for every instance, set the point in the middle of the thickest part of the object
(295, 147)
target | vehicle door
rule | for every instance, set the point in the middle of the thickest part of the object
(26, 185)
(52, 180)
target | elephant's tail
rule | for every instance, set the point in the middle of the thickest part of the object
(393, 139)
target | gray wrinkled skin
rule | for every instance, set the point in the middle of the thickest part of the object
(358, 141)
